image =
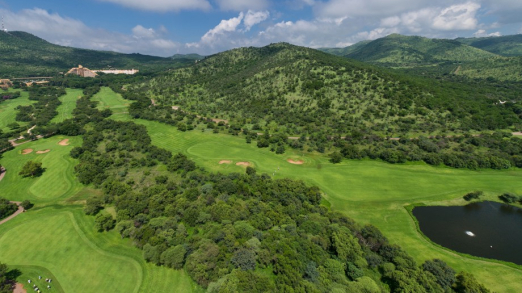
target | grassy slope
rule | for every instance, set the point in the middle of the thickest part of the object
(56, 236)
(67, 106)
(368, 191)
(504, 45)
(8, 111)
(409, 50)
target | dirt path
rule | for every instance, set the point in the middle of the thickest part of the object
(19, 211)
(458, 69)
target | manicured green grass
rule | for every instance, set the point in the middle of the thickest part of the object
(68, 105)
(52, 239)
(57, 181)
(367, 191)
(32, 273)
(108, 99)
(56, 238)
(8, 111)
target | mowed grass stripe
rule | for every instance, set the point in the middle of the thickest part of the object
(8, 110)
(108, 99)
(57, 181)
(361, 189)
(51, 241)
(68, 105)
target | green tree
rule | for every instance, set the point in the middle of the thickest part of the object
(26, 204)
(104, 222)
(466, 283)
(5, 283)
(336, 157)
(31, 169)
(174, 257)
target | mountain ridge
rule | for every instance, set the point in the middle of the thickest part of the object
(23, 54)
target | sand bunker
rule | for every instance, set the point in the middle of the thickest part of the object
(246, 164)
(43, 152)
(225, 162)
(64, 142)
(300, 162)
(27, 151)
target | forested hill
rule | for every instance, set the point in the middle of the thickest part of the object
(482, 58)
(504, 45)
(301, 91)
(398, 50)
(23, 54)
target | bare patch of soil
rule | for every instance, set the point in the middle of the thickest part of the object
(225, 162)
(27, 151)
(245, 164)
(43, 152)
(299, 162)
(64, 142)
(19, 288)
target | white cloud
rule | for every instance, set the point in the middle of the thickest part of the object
(163, 5)
(390, 21)
(229, 25)
(457, 17)
(142, 32)
(254, 17)
(71, 32)
(242, 5)
(483, 33)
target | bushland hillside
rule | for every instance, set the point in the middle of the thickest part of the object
(23, 54)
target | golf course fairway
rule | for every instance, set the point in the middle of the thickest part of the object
(57, 236)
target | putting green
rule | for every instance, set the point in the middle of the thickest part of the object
(68, 105)
(8, 110)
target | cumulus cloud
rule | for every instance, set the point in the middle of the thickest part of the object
(142, 32)
(163, 5)
(254, 17)
(71, 32)
(457, 17)
(483, 33)
(242, 5)
(226, 25)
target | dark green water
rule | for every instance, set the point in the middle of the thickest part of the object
(497, 229)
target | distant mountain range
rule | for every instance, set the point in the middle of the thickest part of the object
(494, 57)
(188, 56)
(23, 54)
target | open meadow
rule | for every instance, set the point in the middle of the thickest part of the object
(57, 238)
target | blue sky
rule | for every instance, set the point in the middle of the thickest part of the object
(167, 27)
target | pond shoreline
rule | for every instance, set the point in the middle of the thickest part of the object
(409, 209)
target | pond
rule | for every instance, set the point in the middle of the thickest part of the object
(486, 229)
